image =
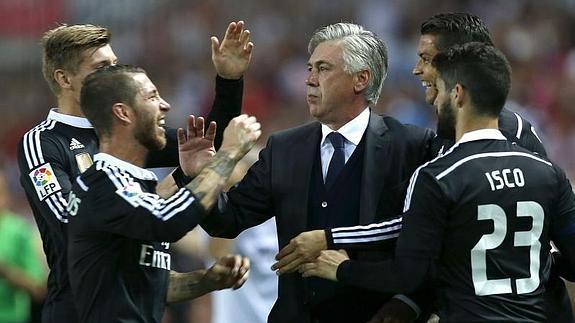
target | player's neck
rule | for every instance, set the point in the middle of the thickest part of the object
(124, 149)
(68, 104)
(474, 123)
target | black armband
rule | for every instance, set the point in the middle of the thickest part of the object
(180, 178)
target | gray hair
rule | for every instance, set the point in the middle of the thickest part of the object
(362, 50)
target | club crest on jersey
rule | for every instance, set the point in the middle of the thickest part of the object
(84, 161)
(75, 144)
(130, 193)
(45, 181)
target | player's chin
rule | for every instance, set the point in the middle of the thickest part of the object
(430, 96)
(158, 143)
(162, 141)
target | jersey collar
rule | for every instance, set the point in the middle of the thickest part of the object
(482, 134)
(73, 121)
(136, 171)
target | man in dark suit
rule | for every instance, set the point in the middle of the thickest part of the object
(348, 168)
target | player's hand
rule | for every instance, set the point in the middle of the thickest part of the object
(325, 266)
(240, 136)
(230, 271)
(196, 147)
(232, 56)
(394, 311)
(301, 249)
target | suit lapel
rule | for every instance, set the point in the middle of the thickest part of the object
(376, 149)
(303, 154)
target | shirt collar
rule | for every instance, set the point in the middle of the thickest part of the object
(351, 131)
(74, 121)
(482, 134)
(136, 171)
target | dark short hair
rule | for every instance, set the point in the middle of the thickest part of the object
(63, 46)
(481, 69)
(104, 88)
(456, 29)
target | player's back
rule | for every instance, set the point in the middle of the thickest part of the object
(495, 256)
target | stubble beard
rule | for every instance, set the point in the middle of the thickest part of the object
(446, 121)
(148, 135)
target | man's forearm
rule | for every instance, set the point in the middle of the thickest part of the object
(186, 286)
(212, 179)
(227, 105)
(364, 237)
(167, 187)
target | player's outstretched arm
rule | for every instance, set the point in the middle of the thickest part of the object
(307, 246)
(230, 271)
(239, 137)
(231, 58)
(195, 150)
(148, 216)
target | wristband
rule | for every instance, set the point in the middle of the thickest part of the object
(180, 178)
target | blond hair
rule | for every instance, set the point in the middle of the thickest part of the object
(63, 47)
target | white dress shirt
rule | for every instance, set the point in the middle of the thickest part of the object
(351, 131)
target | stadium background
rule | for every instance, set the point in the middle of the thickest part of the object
(170, 39)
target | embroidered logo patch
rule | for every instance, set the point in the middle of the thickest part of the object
(45, 181)
(130, 193)
(84, 161)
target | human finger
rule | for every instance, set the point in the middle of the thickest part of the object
(244, 37)
(231, 30)
(211, 132)
(215, 45)
(285, 251)
(200, 127)
(181, 134)
(191, 127)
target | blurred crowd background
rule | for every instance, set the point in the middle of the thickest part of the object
(171, 40)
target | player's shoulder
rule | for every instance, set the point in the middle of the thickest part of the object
(464, 157)
(47, 130)
(445, 160)
(407, 131)
(104, 173)
(41, 144)
(516, 127)
(99, 184)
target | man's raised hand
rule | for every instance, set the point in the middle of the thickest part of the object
(231, 56)
(196, 146)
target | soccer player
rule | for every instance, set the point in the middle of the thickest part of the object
(60, 148)
(480, 218)
(442, 31)
(119, 226)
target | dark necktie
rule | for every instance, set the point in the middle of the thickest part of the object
(337, 160)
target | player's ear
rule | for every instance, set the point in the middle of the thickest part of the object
(459, 95)
(122, 113)
(62, 77)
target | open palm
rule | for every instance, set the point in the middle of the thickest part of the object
(196, 147)
(232, 56)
